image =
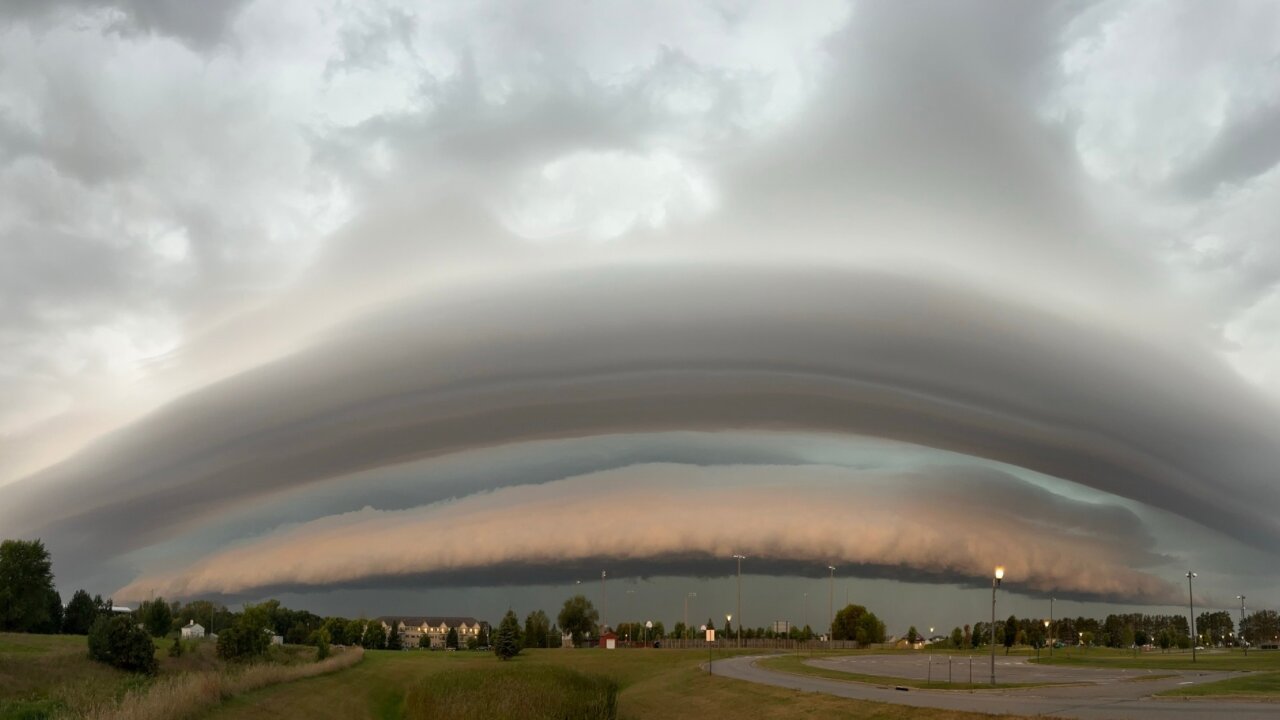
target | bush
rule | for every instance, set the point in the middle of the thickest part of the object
(243, 641)
(322, 644)
(533, 692)
(119, 642)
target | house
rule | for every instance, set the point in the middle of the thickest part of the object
(275, 639)
(192, 631)
(434, 628)
(609, 640)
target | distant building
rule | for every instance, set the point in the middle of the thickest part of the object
(609, 640)
(434, 628)
(121, 609)
(192, 631)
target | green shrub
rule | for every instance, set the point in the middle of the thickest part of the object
(532, 692)
(243, 641)
(322, 644)
(119, 642)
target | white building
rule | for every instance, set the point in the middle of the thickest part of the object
(192, 631)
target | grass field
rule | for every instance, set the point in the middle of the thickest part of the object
(1253, 685)
(51, 676)
(652, 684)
(795, 664)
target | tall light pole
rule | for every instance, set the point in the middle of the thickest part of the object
(930, 680)
(740, 558)
(995, 583)
(1049, 626)
(831, 608)
(686, 613)
(1191, 603)
(631, 612)
(604, 602)
(1241, 628)
(1046, 634)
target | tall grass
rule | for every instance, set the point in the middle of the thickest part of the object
(528, 692)
(188, 694)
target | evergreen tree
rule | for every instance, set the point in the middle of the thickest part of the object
(156, 617)
(1010, 633)
(393, 637)
(375, 638)
(451, 640)
(80, 614)
(424, 641)
(536, 628)
(507, 641)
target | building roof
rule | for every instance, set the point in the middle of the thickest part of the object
(432, 620)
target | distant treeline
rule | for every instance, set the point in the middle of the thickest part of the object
(1122, 631)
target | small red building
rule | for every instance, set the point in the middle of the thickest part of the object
(609, 640)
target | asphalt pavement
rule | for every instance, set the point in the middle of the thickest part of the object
(1095, 693)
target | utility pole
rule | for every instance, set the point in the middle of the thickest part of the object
(740, 558)
(604, 602)
(1051, 628)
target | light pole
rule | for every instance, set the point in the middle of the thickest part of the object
(831, 608)
(728, 620)
(630, 594)
(604, 602)
(930, 680)
(1191, 603)
(1049, 627)
(686, 613)
(1046, 635)
(995, 583)
(740, 558)
(1243, 641)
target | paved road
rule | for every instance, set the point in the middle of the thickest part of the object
(1109, 697)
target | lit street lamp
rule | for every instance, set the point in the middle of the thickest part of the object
(1046, 635)
(1243, 641)
(1191, 603)
(930, 642)
(995, 583)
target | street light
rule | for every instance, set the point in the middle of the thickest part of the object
(1048, 626)
(930, 641)
(995, 583)
(739, 558)
(831, 608)
(1046, 635)
(686, 613)
(1243, 641)
(604, 602)
(1191, 603)
(630, 593)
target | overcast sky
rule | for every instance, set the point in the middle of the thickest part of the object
(440, 308)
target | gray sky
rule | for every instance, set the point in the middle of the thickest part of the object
(440, 306)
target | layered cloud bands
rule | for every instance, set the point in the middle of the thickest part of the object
(656, 516)
(593, 353)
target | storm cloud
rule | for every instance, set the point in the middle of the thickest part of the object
(427, 249)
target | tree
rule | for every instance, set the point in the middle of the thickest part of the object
(482, 638)
(424, 641)
(119, 642)
(26, 584)
(175, 647)
(249, 637)
(355, 632)
(394, 641)
(1010, 633)
(80, 614)
(578, 617)
(507, 642)
(322, 644)
(375, 637)
(537, 626)
(451, 640)
(957, 638)
(913, 636)
(156, 617)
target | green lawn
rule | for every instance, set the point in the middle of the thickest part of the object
(1253, 684)
(652, 684)
(796, 664)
